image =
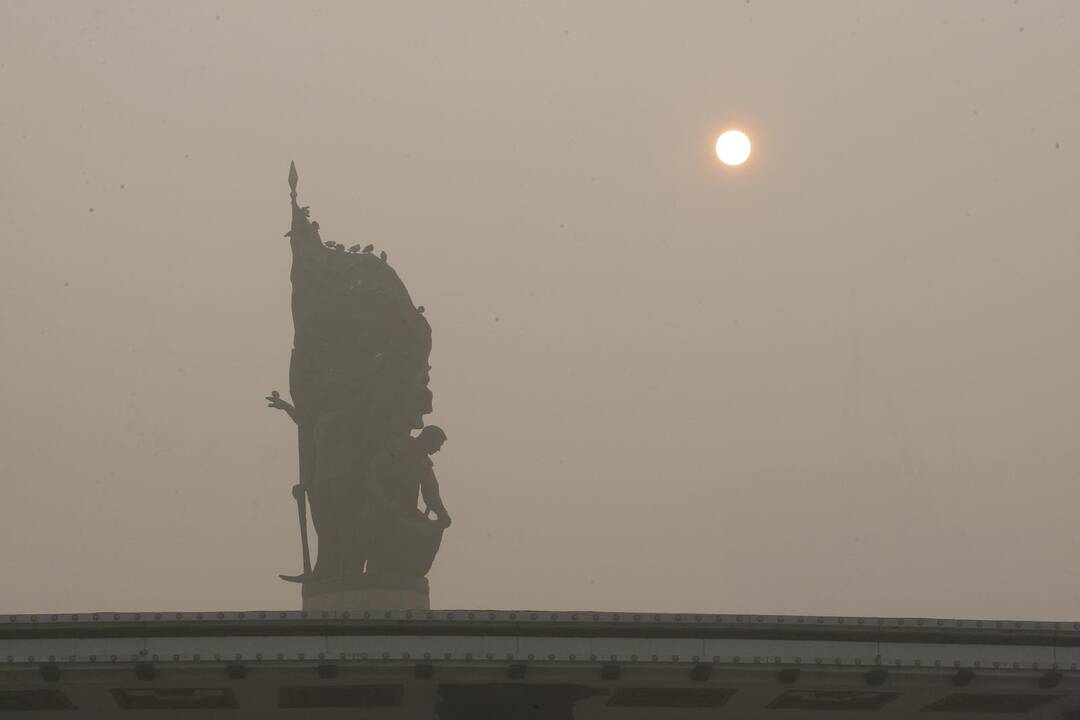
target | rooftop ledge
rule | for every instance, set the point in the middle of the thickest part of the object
(538, 623)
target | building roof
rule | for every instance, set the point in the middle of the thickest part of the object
(508, 664)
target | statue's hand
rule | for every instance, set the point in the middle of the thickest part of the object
(274, 400)
(441, 518)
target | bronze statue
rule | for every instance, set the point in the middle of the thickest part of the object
(359, 384)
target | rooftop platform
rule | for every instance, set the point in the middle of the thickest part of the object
(476, 664)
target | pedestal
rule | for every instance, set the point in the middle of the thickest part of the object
(367, 592)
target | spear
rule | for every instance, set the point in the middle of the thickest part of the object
(298, 491)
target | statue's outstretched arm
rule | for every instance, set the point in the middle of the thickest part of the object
(275, 400)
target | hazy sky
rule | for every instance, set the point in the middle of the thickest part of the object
(842, 379)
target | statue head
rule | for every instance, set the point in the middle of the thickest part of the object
(431, 439)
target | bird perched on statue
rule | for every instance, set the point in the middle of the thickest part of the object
(368, 248)
(382, 256)
(420, 309)
(355, 248)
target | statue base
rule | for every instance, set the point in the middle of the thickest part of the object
(367, 592)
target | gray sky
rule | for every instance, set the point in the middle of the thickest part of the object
(841, 379)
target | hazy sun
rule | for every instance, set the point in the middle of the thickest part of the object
(733, 147)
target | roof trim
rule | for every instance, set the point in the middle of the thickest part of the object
(535, 623)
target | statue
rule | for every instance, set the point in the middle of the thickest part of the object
(359, 377)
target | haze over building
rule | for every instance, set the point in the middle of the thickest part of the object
(842, 381)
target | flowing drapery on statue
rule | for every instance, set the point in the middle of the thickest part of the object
(358, 377)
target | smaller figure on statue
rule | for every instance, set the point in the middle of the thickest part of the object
(430, 441)
(404, 473)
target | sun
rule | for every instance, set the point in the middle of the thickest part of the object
(733, 147)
